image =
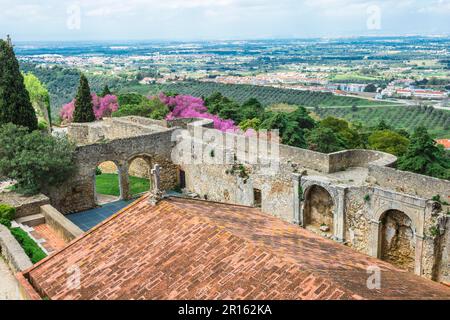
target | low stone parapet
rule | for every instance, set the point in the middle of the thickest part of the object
(13, 253)
(59, 223)
(25, 206)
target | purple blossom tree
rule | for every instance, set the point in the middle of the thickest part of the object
(185, 106)
(103, 107)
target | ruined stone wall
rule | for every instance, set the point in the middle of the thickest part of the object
(357, 217)
(342, 160)
(78, 193)
(410, 183)
(398, 244)
(357, 206)
(319, 208)
(113, 128)
(443, 274)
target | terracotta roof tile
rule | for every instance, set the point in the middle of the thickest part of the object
(190, 249)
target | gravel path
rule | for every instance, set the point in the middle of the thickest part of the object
(9, 289)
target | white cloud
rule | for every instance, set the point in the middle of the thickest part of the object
(220, 18)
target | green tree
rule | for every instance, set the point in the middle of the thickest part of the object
(349, 136)
(254, 123)
(15, 104)
(153, 108)
(105, 91)
(382, 125)
(251, 109)
(294, 136)
(389, 141)
(35, 160)
(424, 156)
(371, 88)
(322, 139)
(83, 103)
(39, 96)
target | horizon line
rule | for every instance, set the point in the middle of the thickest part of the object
(418, 35)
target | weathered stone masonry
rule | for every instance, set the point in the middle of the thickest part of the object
(371, 207)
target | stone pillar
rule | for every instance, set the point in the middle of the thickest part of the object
(297, 202)
(339, 216)
(124, 182)
(374, 239)
(418, 257)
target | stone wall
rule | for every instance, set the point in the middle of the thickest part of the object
(358, 207)
(359, 158)
(78, 193)
(397, 240)
(410, 183)
(25, 205)
(357, 217)
(60, 224)
(13, 253)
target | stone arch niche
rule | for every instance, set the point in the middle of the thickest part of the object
(316, 199)
(318, 210)
(397, 240)
(397, 229)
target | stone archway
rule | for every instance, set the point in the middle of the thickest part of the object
(398, 240)
(107, 183)
(319, 210)
(139, 174)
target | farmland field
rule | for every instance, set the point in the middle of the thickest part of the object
(436, 121)
(266, 95)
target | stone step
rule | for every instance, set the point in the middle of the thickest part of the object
(32, 221)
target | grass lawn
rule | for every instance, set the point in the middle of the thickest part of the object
(108, 184)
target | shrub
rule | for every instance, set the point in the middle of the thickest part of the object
(98, 171)
(5, 222)
(35, 160)
(32, 250)
(7, 212)
(42, 125)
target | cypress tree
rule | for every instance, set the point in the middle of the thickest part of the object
(84, 111)
(105, 91)
(15, 104)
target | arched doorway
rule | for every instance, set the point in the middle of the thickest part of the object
(319, 210)
(107, 183)
(139, 175)
(398, 245)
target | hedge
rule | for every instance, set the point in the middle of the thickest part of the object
(7, 212)
(33, 251)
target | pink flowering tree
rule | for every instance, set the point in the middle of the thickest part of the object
(185, 106)
(102, 107)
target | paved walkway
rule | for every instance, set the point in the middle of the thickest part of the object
(86, 220)
(9, 289)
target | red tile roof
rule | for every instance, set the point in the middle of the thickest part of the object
(444, 142)
(191, 249)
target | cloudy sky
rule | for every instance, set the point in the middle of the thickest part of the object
(218, 19)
